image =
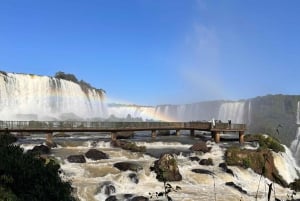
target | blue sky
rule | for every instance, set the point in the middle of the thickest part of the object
(156, 52)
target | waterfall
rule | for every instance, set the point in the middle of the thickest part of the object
(233, 111)
(24, 96)
(295, 148)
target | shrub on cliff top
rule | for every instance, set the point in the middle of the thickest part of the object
(266, 142)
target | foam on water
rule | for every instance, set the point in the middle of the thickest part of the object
(88, 177)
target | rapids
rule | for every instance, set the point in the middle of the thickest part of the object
(88, 177)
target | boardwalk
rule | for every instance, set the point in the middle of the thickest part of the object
(115, 127)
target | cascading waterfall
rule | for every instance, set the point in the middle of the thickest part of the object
(295, 148)
(32, 97)
(233, 111)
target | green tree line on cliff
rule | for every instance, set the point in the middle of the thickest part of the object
(83, 84)
(28, 177)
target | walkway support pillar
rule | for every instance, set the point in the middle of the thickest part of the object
(192, 132)
(241, 137)
(216, 136)
(113, 136)
(153, 133)
(49, 140)
(177, 132)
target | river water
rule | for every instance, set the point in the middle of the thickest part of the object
(88, 177)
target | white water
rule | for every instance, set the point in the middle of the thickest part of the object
(33, 97)
(89, 176)
(203, 111)
(233, 111)
(295, 148)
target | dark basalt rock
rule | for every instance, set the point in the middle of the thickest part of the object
(76, 159)
(125, 135)
(139, 198)
(40, 150)
(134, 178)
(206, 162)
(120, 197)
(95, 154)
(61, 134)
(107, 188)
(194, 158)
(131, 146)
(167, 169)
(200, 146)
(224, 167)
(124, 166)
(240, 189)
(202, 171)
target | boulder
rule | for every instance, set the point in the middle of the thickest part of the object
(224, 167)
(167, 169)
(194, 158)
(124, 166)
(207, 162)
(61, 134)
(133, 177)
(120, 197)
(202, 171)
(131, 146)
(76, 159)
(95, 154)
(40, 150)
(240, 189)
(106, 188)
(139, 198)
(125, 135)
(200, 146)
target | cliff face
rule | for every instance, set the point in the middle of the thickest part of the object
(275, 115)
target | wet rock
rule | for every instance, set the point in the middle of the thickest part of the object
(95, 154)
(76, 159)
(120, 197)
(225, 168)
(125, 135)
(139, 198)
(240, 189)
(167, 169)
(134, 178)
(40, 150)
(207, 162)
(131, 146)
(61, 134)
(200, 146)
(202, 171)
(106, 188)
(194, 158)
(124, 166)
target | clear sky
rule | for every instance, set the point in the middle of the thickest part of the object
(157, 52)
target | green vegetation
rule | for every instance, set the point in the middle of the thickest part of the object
(26, 177)
(260, 160)
(84, 85)
(266, 142)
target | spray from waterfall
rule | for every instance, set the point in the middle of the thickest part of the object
(32, 97)
(295, 148)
